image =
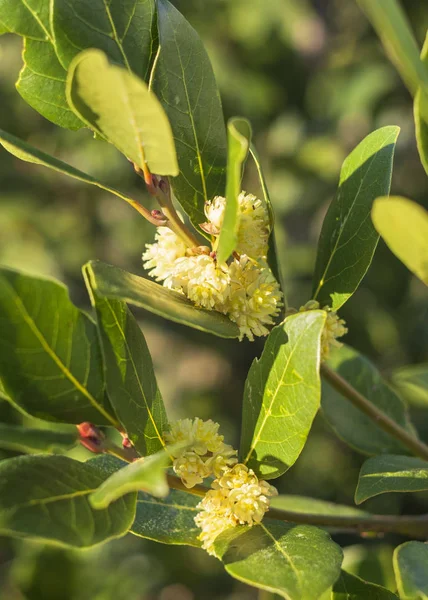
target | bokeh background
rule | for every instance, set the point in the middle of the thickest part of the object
(313, 79)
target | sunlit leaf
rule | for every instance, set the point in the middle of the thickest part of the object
(348, 239)
(412, 383)
(282, 395)
(303, 505)
(411, 572)
(239, 137)
(403, 225)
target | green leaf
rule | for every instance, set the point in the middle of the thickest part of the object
(350, 587)
(282, 395)
(111, 282)
(50, 360)
(119, 106)
(272, 256)
(24, 439)
(25, 17)
(348, 239)
(412, 383)
(41, 83)
(403, 225)
(147, 474)
(239, 137)
(389, 473)
(303, 505)
(392, 26)
(420, 111)
(130, 378)
(28, 153)
(351, 424)
(411, 572)
(298, 562)
(184, 82)
(167, 520)
(46, 498)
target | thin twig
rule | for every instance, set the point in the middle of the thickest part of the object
(417, 447)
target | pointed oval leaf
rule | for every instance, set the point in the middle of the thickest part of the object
(239, 137)
(184, 82)
(50, 359)
(389, 473)
(46, 498)
(32, 441)
(282, 395)
(412, 383)
(403, 225)
(130, 378)
(147, 474)
(348, 239)
(411, 570)
(168, 520)
(349, 423)
(111, 282)
(298, 562)
(351, 587)
(119, 106)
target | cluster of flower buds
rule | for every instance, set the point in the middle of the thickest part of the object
(245, 289)
(237, 496)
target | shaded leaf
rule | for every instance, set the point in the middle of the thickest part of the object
(304, 505)
(282, 395)
(130, 378)
(119, 106)
(46, 498)
(420, 111)
(348, 239)
(412, 383)
(298, 562)
(147, 474)
(24, 439)
(50, 360)
(350, 587)
(111, 282)
(184, 82)
(167, 520)
(239, 137)
(389, 473)
(403, 225)
(372, 563)
(411, 570)
(351, 424)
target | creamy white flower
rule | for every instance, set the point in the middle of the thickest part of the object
(214, 212)
(334, 328)
(161, 256)
(255, 297)
(237, 498)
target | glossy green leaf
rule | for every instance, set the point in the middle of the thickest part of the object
(298, 562)
(167, 520)
(411, 570)
(412, 383)
(130, 378)
(32, 441)
(389, 473)
(25, 17)
(420, 111)
(50, 359)
(348, 422)
(239, 138)
(114, 283)
(350, 587)
(403, 225)
(46, 498)
(119, 106)
(28, 153)
(303, 505)
(348, 239)
(282, 395)
(147, 474)
(184, 82)
(123, 29)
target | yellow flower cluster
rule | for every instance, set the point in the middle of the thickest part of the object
(245, 289)
(238, 497)
(334, 328)
(204, 452)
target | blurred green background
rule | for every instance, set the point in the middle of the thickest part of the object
(313, 79)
